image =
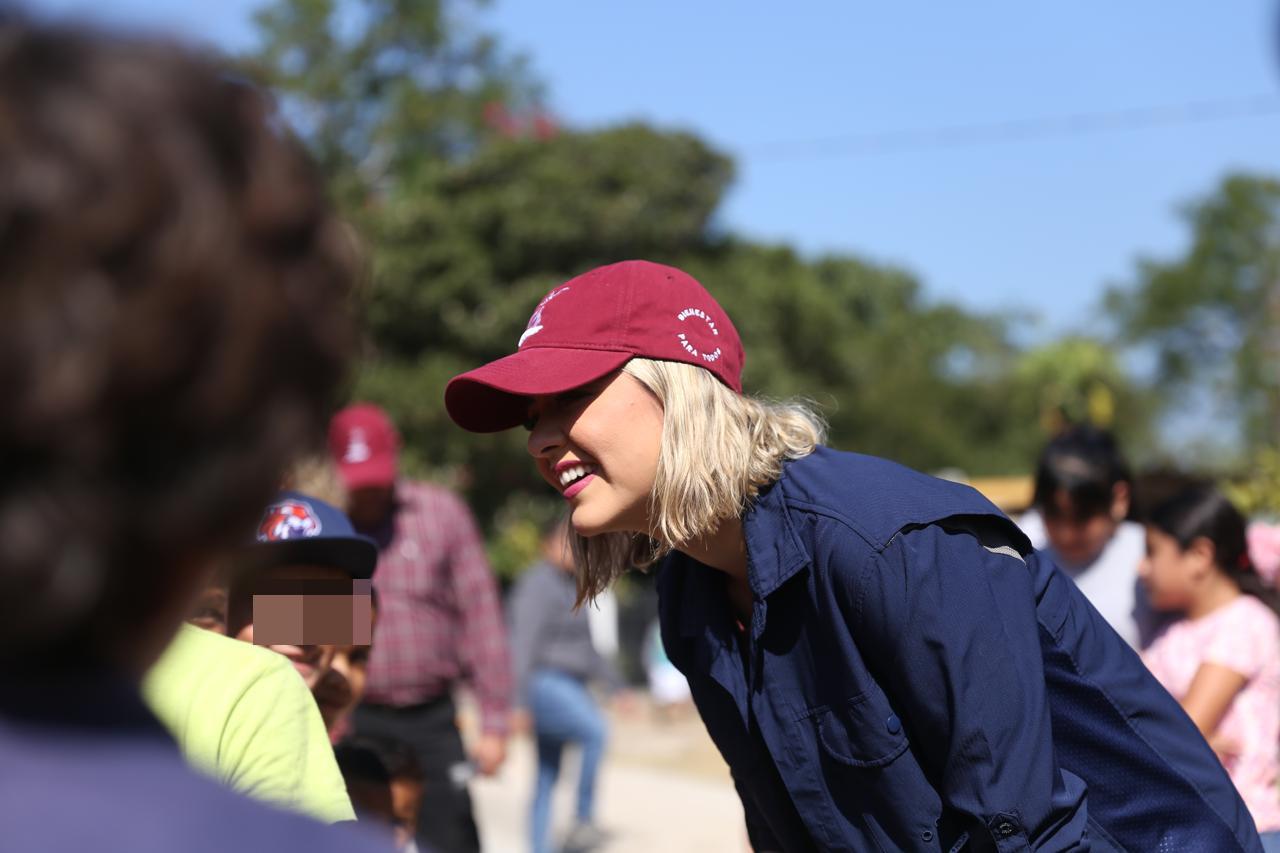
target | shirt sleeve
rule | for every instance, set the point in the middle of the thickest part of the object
(759, 834)
(950, 630)
(528, 619)
(274, 747)
(483, 644)
(1244, 641)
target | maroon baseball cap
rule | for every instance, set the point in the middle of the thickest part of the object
(591, 326)
(364, 444)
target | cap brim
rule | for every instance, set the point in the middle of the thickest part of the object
(363, 475)
(496, 396)
(355, 555)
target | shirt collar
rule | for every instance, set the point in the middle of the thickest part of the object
(774, 555)
(774, 551)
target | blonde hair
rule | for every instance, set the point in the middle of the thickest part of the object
(719, 448)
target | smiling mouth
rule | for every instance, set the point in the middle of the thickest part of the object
(574, 473)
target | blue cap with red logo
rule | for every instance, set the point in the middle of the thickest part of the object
(298, 529)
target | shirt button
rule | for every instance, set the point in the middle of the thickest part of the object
(1005, 829)
(893, 724)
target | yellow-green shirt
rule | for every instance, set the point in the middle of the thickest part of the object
(243, 715)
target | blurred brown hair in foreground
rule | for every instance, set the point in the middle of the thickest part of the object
(174, 323)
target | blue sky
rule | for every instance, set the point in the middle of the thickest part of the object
(1040, 225)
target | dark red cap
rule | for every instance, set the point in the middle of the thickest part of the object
(364, 444)
(592, 325)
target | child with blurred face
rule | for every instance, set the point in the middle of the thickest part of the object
(341, 687)
(304, 592)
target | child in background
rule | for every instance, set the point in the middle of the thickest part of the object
(1083, 494)
(242, 715)
(384, 781)
(307, 551)
(368, 781)
(1221, 661)
(407, 783)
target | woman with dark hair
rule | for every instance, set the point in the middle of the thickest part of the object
(1221, 660)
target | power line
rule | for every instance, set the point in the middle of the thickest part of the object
(1018, 130)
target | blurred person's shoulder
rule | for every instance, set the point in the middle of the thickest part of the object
(1129, 544)
(239, 712)
(68, 789)
(1032, 525)
(1250, 615)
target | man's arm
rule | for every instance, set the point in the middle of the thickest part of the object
(483, 641)
(950, 628)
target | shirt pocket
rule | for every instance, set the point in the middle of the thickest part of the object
(857, 734)
(876, 789)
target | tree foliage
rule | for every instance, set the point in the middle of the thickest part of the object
(1213, 314)
(1080, 380)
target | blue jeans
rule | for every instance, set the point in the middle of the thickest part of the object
(563, 712)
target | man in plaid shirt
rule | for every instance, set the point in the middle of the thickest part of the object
(439, 623)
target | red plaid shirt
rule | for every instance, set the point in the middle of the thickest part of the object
(439, 616)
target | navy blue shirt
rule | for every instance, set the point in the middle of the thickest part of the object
(915, 678)
(84, 766)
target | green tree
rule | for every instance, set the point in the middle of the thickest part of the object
(1255, 489)
(1213, 314)
(1077, 380)
(384, 88)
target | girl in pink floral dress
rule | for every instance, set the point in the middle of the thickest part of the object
(1222, 660)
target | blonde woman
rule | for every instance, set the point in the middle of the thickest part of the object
(879, 655)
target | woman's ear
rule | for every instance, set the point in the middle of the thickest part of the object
(1121, 499)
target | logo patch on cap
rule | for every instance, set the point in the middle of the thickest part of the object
(288, 520)
(357, 448)
(535, 322)
(706, 354)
